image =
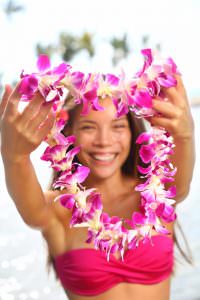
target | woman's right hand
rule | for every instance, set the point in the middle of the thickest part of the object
(22, 133)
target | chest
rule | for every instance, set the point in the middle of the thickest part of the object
(123, 208)
(65, 238)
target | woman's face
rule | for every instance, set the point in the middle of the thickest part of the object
(104, 139)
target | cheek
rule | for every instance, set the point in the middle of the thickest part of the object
(125, 140)
(84, 140)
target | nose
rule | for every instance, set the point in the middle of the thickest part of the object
(103, 137)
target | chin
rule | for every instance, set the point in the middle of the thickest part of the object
(102, 174)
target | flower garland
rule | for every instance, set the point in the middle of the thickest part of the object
(135, 94)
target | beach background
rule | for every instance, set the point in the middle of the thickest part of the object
(175, 25)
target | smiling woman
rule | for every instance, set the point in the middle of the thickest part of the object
(105, 147)
(108, 148)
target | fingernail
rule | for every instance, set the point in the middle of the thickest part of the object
(7, 86)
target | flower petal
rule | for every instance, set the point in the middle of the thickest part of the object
(82, 173)
(144, 170)
(66, 200)
(146, 153)
(43, 63)
(143, 138)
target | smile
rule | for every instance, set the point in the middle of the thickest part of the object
(104, 157)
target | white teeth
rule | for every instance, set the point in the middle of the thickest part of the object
(104, 157)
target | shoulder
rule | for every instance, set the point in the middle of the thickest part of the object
(60, 213)
(56, 232)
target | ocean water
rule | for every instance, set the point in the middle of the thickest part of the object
(23, 274)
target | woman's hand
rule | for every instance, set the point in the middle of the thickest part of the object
(22, 133)
(174, 114)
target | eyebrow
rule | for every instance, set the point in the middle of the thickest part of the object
(93, 122)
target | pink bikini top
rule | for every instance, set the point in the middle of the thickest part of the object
(86, 271)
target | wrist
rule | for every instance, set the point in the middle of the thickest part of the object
(185, 137)
(7, 160)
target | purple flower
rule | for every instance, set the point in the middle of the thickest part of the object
(28, 86)
(148, 58)
(121, 107)
(66, 200)
(46, 80)
(166, 212)
(143, 99)
(43, 63)
(143, 138)
(147, 152)
(87, 210)
(63, 140)
(67, 178)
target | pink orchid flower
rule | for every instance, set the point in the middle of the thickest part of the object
(67, 178)
(46, 80)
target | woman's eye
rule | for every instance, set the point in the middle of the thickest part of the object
(86, 127)
(120, 126)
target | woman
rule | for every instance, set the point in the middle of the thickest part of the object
(105, 146)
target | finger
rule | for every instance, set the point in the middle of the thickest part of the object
(40, 117)
(4, 101)
(171, 94)
(31, 109)
(174, 96)
(178, 93)
(180, 86)
(13, 101)
(162, 122)
(46, 126)
(165, 108)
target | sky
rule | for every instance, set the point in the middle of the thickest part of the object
(175, 24)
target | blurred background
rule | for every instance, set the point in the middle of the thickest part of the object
(102, 36)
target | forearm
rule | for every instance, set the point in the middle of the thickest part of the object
(183, 159)
(26, 192)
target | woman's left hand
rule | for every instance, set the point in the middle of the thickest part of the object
(174, 113)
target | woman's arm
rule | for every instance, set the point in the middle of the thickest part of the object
(177, 119)
(26, 192)
(183, 159)
(22, 133)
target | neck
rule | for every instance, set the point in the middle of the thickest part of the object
(109, 188)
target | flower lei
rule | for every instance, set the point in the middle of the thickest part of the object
(135, 94)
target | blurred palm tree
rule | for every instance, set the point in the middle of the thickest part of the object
(69, 45)
(11, 7)
(49, 49)
(145, 43)
(86, 42)
(120, 48)
(145, 40)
